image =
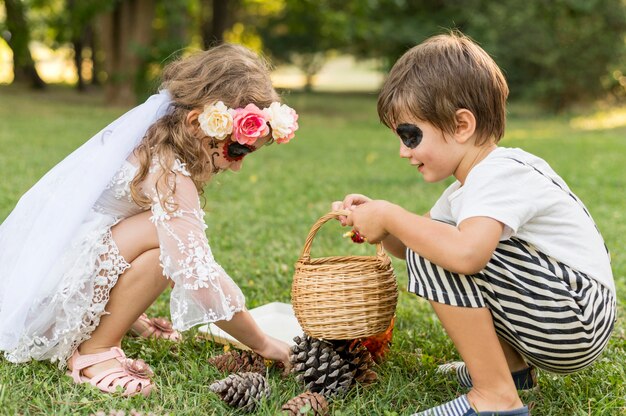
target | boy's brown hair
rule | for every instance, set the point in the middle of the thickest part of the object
(434, 79)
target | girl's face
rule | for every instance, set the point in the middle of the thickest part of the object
(435, 156)
(229, 154)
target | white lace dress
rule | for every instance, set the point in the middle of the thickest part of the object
(68, 310)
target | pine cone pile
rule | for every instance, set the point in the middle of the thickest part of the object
(306, 403)
(319, 367)
(359, 358)
(239, 361)
(242, 390)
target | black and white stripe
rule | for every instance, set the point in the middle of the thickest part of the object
(461, 407)
(559, 319)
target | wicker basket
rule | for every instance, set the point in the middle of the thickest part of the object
(343, 297)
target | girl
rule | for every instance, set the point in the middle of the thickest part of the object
(100, 236)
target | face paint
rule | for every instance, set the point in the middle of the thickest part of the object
(235, 151)
(410, 134)
(214, 156)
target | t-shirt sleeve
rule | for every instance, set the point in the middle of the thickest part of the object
(503, 190)
(441, 210)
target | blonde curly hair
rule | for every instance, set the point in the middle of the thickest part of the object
(229, 73)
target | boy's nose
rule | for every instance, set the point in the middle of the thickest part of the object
(405, 152)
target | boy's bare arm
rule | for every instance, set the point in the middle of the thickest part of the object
(394, 246)
(465, 249)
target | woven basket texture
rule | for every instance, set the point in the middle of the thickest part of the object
(343, 297)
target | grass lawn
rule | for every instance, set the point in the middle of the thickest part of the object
(258, 220)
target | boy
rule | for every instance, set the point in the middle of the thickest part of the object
(514, 265)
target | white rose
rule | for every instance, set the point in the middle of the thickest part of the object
(283, 120)
(216, 120)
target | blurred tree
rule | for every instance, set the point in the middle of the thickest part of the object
(305, 32)
(388, 28)
(125, 31)
(77, 27)
(217, 17)
(71, 22)
(557, 52)
(175, 22)
(18, 38)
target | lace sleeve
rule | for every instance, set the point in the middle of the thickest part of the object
(203, 291)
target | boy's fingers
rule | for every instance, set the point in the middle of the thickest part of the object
(349, 201)
(337, 206)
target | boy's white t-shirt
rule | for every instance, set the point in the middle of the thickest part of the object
(531, 207)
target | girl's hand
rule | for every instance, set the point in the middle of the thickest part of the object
(274, 349)
(349, 202)
(368, 219)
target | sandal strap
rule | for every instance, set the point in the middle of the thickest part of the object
(106, 377)
(80, 362)
(110, 380)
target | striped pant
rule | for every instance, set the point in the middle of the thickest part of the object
(559, 319)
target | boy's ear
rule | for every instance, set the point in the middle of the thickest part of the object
(192, 123)
(465, 125)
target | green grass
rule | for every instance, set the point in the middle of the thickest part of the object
(258, 221)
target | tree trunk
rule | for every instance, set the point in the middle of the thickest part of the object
(77, 44)
(23, 64)
(92, 43)
(310, 64)
(213, 33)
(126, 33)
(178, 22)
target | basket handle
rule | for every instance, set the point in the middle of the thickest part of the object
(305, 256)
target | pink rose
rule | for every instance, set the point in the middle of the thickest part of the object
(249, 124)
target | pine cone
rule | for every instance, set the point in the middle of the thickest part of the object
(319, 367)
(239, 361)
(359, 358)
(306, 403)
(242, 390)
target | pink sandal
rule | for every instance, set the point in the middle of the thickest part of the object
(145, 327)
(133, 376)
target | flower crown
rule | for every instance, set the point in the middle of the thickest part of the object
(248, 124)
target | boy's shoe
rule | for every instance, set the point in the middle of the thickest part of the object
(461, 407)
(524, 379)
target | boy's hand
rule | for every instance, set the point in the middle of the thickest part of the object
(349, 202)
(368, 218)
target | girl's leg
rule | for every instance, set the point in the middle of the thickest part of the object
(135, 290)
(474, 335)
(246, 331)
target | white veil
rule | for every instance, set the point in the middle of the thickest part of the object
(42, 224)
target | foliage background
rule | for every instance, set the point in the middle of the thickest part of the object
(557, 53)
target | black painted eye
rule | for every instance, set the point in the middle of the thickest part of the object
(410, 134)
(237, 150)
